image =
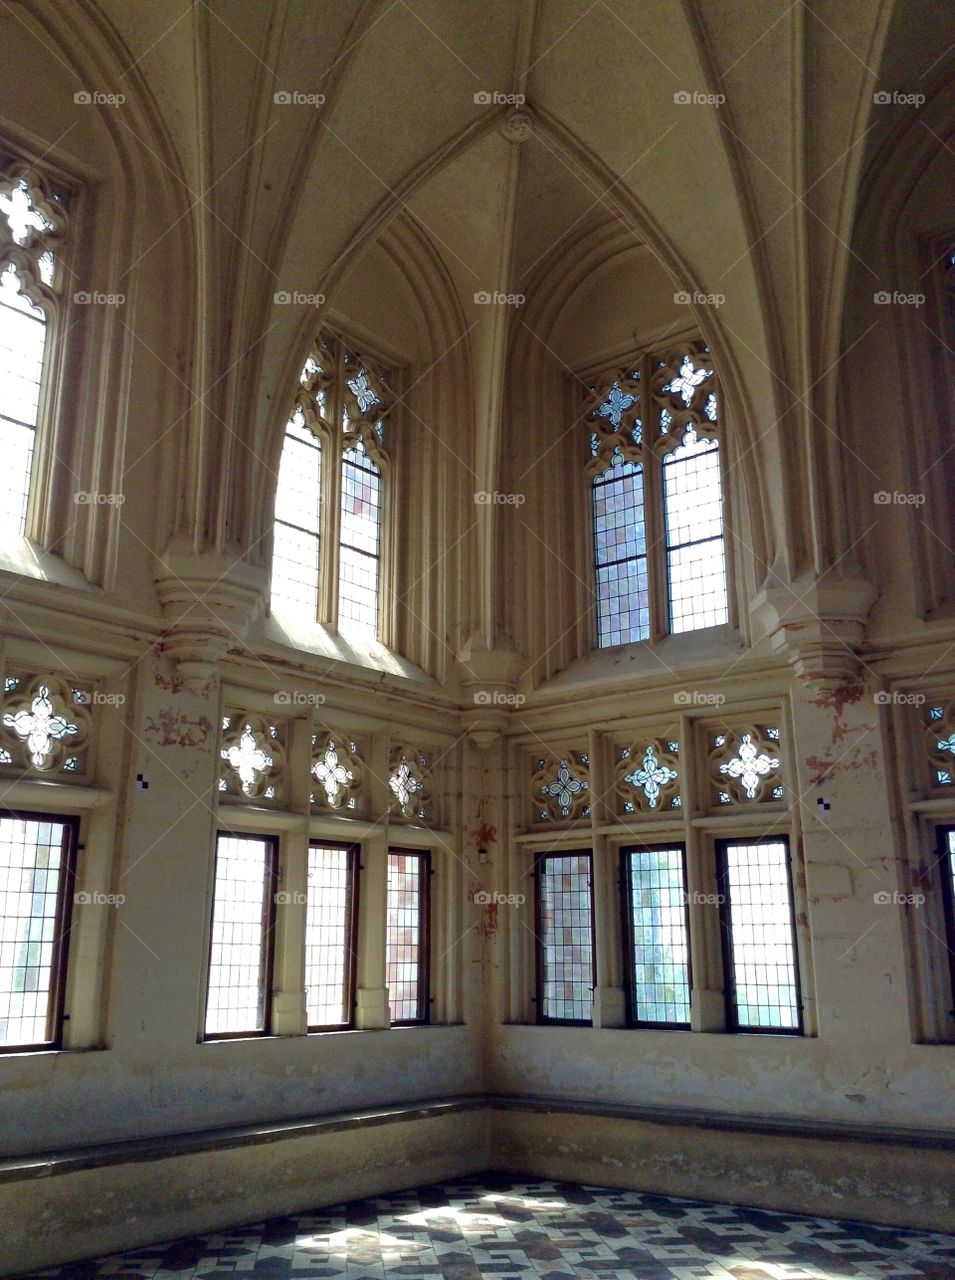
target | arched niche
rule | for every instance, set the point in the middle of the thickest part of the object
(114, 388)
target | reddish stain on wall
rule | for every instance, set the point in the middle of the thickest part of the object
(853, 762)
(175, 729)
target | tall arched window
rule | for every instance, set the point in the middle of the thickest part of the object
(657, 500)
(327, 547)
(32, 221)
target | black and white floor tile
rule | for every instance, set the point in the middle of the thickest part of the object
(529, 1230)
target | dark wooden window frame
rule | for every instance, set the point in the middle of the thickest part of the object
(268, 926)
(726, 934)
(351, 966)
(539, 864)
(948, 902)
(629, 942)
(65, 892)
(424, 925)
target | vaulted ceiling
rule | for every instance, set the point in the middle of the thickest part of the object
(726, 136)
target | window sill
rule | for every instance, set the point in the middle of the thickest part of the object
(25, 559)
(689, 649)
(311, 637)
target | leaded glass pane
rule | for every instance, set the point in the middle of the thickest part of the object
(295, 561)
(758, 917)
(31, 883)
(566, 937)
(696, 568)
(623, 604)
(661, 945)
(406, 952)
(237, 994)
(23, 331)
(360, 544)
(328, 940)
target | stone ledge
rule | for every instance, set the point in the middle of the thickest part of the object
(21, 1168)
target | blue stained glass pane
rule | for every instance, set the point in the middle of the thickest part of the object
(620, 548)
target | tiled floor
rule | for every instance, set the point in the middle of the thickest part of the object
(538, 1230)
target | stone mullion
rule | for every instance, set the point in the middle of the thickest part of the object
(609, 997)
(371, 1007)
(708, 1003)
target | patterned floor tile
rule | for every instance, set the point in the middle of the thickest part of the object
(528, 1230)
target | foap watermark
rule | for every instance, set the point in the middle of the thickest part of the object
(686, 98)
(702, 899)
(484, 298)
(497, 698)
(485, 499)
(484, 898)
(291, 898)
(895, 899)
(93, 498)
(96, 299)
(93, 98)
(886, 699)
(883, 498)
(293, 298)
(491, 98)
(696, 698)
(294, 98)
(697, 299)
(297, 698)
(93, 898)
(897, 299)
(883, 98)
(98, 699)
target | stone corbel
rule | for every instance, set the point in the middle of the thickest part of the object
(818, 625)
(209, 601)
(489, 689)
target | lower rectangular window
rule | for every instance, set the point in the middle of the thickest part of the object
(657, 935)
(37, 876)
(759, 936)
(408, 943)
(241, 946)
(331, 919)
(946, 866)
(565, 937)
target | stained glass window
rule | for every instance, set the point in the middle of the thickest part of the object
(295, 562)
(359, 548)
(693, 509)
(240, 952)
(36, 897)
(565, 937)
(406, 961)
(329, 494)
(620, 554)
(657, 499)
(946, 868)
(759, 935)
(26, 305)
(330, 940)
(659, 936)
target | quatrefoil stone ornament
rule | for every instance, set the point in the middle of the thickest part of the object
(688, 380)
(332, 776)
(616, 405)
(42, 727)
(749, 766)
(651, 777)
(248, 760)
(405, 786)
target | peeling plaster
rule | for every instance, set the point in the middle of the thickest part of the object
(173, 728)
